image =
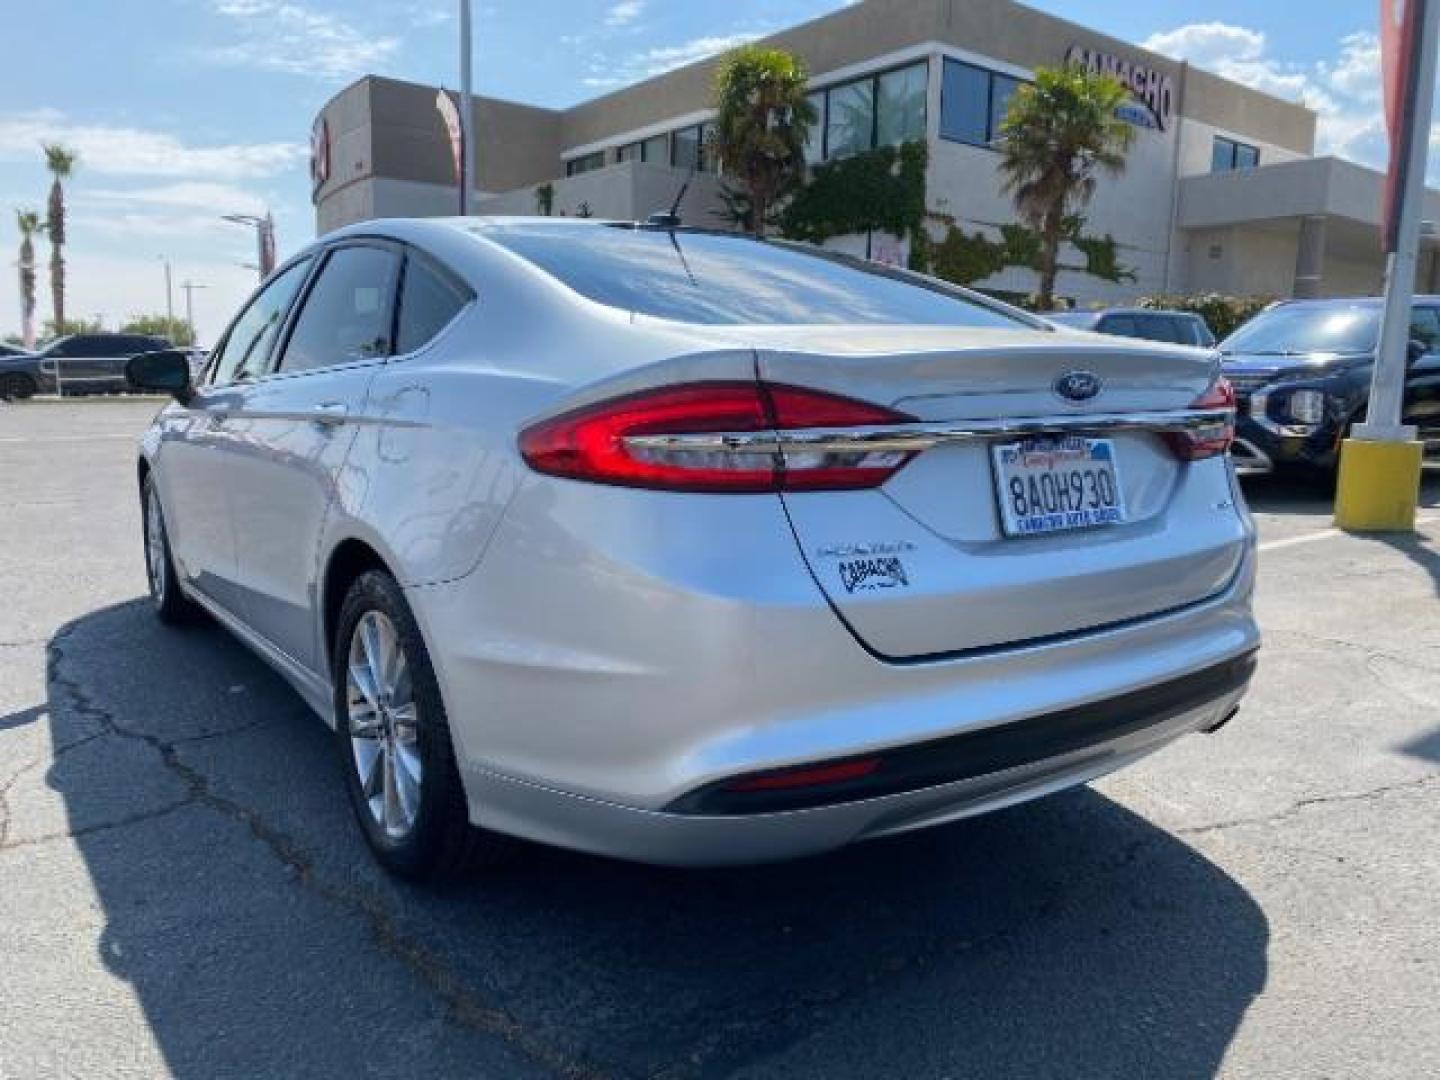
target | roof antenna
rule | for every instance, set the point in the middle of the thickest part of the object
(670, 219)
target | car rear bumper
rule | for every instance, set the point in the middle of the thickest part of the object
(1202, 702)
(589, 694)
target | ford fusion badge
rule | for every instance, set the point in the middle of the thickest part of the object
(1078, 385)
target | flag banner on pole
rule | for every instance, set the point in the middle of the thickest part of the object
(450, 113)
(1400, 22)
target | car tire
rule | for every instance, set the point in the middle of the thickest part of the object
(171, 605)
(16, 386)
(393, 738)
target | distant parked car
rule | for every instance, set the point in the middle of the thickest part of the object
(1301, 372)
(1179, 327)
(87, 364)
(12, 350)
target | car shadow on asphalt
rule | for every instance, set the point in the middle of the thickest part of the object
(1068, 937)
(1301, 494)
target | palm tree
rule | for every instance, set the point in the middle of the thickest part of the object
(28, 222)
(61, 162)
(760, 128)
(1060, 133)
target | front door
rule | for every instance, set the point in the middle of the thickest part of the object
(198, 442)
(291, 435)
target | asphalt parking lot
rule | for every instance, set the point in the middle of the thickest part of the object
(183, 892)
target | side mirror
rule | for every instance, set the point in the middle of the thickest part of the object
(166, 371)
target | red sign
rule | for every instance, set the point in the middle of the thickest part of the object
(1400, 22)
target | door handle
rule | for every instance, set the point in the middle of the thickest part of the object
(329, 413)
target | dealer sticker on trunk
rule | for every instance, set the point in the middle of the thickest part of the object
(1051, 485)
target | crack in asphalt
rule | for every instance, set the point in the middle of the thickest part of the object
(424, 965)
(55, 754)
(99, 827)
(1298, 807)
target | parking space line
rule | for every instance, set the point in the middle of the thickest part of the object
(1293, 541)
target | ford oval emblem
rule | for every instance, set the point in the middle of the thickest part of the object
(1079, 385)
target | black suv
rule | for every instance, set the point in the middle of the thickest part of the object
(1180, 327)
(85, 363)
(1301, 371)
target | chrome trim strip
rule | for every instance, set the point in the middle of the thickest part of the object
(912, 438)
(1249, 459)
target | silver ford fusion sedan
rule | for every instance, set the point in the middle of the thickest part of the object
(688, 548)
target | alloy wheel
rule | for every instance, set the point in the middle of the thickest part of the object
(155, 548)
(383, 728)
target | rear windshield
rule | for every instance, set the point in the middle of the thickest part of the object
(721, 279)
(1319, 328)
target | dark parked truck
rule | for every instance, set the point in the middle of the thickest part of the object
(83, 363)
(1301, 372)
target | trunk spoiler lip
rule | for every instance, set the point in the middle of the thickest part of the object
(919, 436)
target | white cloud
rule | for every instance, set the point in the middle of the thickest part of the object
(185, 195)
(280, 35)
(1345, 91)
(624, 12)
(662, 58)
(140, 152)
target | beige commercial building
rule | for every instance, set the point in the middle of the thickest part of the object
(1222, 191)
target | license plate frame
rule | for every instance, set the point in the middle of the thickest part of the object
(1067, 484)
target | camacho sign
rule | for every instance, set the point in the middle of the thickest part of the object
(1154, 91)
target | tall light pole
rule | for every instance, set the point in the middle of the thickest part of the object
(264, 239)
(190, 287)
(169, 292)
(467, 119)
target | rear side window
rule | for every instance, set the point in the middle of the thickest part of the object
(1425, 326)
(428, 301)
(247, 346)
(1120, 325)
(346, 316)
(716, 278)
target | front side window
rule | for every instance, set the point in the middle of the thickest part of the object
(346, 316)
(428, 301)
(725, 279)
(247, 347)
(1425, 327)
(900, 105)
(850, 126)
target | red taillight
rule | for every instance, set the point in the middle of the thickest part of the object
(591, 443)
(806, 776)
(1204, 442)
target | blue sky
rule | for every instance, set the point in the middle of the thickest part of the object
(186, 109)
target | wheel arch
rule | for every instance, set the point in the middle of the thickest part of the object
(349, 558)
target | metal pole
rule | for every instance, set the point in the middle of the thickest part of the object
(169, 296)
(467, 138)
(1387, 385)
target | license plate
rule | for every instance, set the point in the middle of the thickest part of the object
(1051, 485)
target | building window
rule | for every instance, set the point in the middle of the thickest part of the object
(973, 103)
(850, 119)
(815, 138)
(878, 110)
(587, 163)
(629, 152)
(900, 105)
(1227, 155)
(691, 147)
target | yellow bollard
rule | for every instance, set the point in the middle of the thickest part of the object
(1379, 485)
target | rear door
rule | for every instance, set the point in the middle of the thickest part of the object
(924, 564)
(292, 432)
